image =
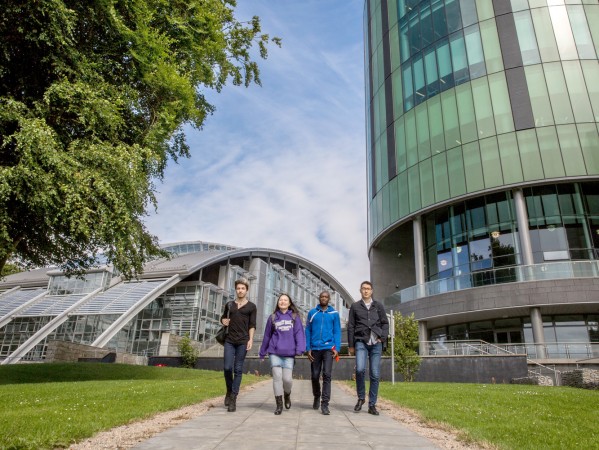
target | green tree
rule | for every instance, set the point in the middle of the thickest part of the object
(407, 361)
(189, 354)
(93, 99)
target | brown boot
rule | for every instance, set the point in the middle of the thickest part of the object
(279, 400)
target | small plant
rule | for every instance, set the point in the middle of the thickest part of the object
(407, 361)
(189, 354)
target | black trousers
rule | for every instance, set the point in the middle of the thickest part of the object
(323, 362)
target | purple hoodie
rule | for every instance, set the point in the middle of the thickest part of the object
(285, 338)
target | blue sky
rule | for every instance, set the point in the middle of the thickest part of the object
(283, 165)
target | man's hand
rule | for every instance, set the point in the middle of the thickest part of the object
(225, 322)
(249, 346)
(335, 353)
(351, 351)
(310, 357)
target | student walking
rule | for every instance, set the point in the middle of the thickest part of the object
(240, 318)
(367, 331)
(323, 341)
(283, 339)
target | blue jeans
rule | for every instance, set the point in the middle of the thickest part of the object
(234, 359)
(373, 353)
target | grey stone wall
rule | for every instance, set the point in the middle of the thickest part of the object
(581, 378)
(61, 351)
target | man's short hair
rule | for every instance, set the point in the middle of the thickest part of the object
(323, 293)
(244, 282)
(365, 282)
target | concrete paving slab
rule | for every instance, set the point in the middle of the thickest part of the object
(254, 426)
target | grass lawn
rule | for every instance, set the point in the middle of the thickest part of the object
(507, 416)
(54, 405)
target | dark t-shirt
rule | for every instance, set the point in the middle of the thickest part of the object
(241, 321)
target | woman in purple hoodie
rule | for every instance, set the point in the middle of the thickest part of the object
(283, 339)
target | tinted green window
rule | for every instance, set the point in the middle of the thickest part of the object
(397, 95)
(393, 200)
(510, 158)
(558, 93)
(435, 123)
(456, 174)
(408, 88)
(526, 38)
(582, 35)
(489, 153)
(377, 159)
(394, 47)
(419, 83)
(483, 107)
(474, 49)
(378, 218)
(441, 178)
(591, 75)
(519, 5)
(384, 177)
(581, 105)
(588, 141)
(539, 97)
(414, 191)
(459, 58)
(432, 77)
(426, 183)
(402, 188)
(563, 32)
(411, 141)
(466, 113)
(444, 64)
(573, 160)
(382, 111)
(400, 145)
(484, 8)
(502, 109)
(392, 12)
(592, 13)
(386, 207)
(473, 167)
(450, 119)
(545, 36)
(468, 9)
(550, 152)
(493, 59)
(424, 143)
(532, 168)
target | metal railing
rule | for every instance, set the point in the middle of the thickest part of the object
(513, 274)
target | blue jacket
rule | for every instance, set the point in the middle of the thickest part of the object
(285, 337)
(323, 329)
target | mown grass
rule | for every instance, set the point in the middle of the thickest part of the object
(54, 405)
(507, 416)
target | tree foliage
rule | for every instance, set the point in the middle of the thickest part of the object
(93, 98)
(189, 354)
(407, 361)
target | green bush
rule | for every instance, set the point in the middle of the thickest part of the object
(189, 354)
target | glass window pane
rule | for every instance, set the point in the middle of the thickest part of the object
(587, 133)
(551, 156)
(439, 22)
(491, 162)
(510, 158)
(404, 42)
(436, 125)
(490, 39)
(526, 38)
(591, 75)
(411, 141)
(577, 90)
(532, 168)
(386, 216)
(558, 93)
(458, 58)
(456, 174)
(414, 191)
(441, 177)
(519, 5)
(582, 35)
(404, 201)
(474, 48)
(450, 119)
(430, 68)
(592, 13)
(545, 37)
(394, 47)
(393, 201)
(397, 94)
(400, 145)
(468, 9)
(452, 12)
(424, 143)
(483, 108)
(504, 122)
(444, 64)
(426, 26)
(415, 36)
(539, 97)
(419, 83)
(408, 87)
(473, 167)
(485, 10)
(570, 145)
(426, 183)
(563, 32)
(465, 104)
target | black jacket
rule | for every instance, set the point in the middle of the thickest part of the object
(363, 320)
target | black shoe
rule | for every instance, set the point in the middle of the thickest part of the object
(316, 403)
(372, 410)
(325, 410)
(287, 400)
(358, 406)
(227, 398)
(232, 407)
(279, 400)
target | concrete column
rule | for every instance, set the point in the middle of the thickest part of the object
(423, 338)
(523, 231)
(536, 321)
(418, 256)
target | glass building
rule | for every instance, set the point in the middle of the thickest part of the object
(182, 295)
(483, 170)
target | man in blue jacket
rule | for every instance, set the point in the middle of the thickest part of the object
(323, 340)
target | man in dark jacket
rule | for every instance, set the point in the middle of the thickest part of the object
(323, 340)
(367, 331)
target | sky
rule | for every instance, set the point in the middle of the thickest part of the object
(283, 166)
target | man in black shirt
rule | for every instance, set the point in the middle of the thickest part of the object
(240, 318)
(367, 331)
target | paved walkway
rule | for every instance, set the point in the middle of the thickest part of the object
(254, 426)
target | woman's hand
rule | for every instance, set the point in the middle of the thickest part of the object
(225, 322)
